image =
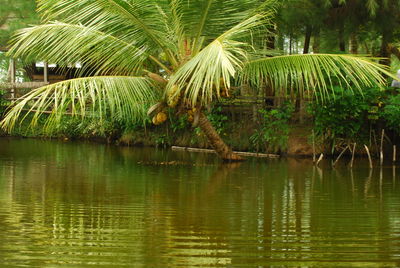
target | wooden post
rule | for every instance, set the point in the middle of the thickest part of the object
(12, 78)
(340, 155)
(352, 155)
(313, 146)
(394, 153)
(319, 159)
(45, 72)
(381, 148)
(369, 155)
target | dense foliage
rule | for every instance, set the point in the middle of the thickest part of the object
(272, 132)
(391, 113)
(350, 117)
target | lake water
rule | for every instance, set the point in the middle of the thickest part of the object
(81, 204)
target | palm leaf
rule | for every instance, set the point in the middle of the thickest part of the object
(315, 72)
(208, 19)
(94, 98)
(67, 43)
(200, 77)
(139, 21)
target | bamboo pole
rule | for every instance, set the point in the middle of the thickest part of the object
(45, 72)
(313, 146)
(12, 77)
(381, 148)
(352, 155)
(319, 159)
(199, 150)
(394, 175)
(340, 155)
(369, 156)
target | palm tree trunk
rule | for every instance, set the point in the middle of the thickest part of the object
(215, 140)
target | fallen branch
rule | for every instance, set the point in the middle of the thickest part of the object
(199, 150)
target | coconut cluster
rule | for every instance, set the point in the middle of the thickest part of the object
(172, 97)
(159, 118)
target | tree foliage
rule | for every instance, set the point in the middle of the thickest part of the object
(15, 14)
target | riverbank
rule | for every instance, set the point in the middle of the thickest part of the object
(327, 129)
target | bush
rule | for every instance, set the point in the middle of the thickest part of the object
(273, 131)
(391, 113)
(347, 116)
(3, 103)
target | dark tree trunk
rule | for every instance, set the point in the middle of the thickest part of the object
(271, 42)
(353, 44)
(342, 43)
(387, 36)
(271, 38)
(307, 40)
(316, 42)
(215, 140)
(394, 50)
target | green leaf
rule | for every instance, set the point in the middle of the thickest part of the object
(315, 73)
(92, 98)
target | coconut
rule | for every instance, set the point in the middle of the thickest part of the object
(172, 98)
(154, 120)
(161, 117)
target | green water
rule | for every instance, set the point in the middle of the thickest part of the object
(80, 204)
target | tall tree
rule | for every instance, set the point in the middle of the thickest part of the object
(181, 53)
(15, 14)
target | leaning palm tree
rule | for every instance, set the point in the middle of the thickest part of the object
(179, 54)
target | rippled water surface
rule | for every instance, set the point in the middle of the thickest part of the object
(79, 204)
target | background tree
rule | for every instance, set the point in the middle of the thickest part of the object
(15, 14)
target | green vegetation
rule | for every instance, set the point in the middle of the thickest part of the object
(272, 133)
(391, 113)
(356, 118)
(171, 60)
(15, 14)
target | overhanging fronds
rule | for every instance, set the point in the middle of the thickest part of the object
(315, 72)
(92, 98)
(138, 21)
(68, 44)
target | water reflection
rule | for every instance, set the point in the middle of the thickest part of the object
(86, 204)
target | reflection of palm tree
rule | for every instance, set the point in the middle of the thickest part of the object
(219, 177)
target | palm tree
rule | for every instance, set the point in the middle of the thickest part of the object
(176, 53)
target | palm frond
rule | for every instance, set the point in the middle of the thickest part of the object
(67, 43)
(200, 77)
(206, 20)
(138, 21)
(315, 72)
(93, 98)
(372, 6)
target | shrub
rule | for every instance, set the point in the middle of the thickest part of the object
(346, 116)
(273, 131)
(391, 113)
